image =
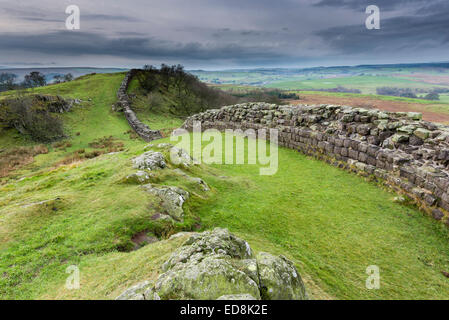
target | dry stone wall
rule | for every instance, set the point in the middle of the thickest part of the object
(399, 149)
(123, 100)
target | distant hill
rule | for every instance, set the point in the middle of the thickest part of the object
(53, 71)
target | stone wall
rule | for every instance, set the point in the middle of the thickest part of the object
(123, 100)
(407, 154)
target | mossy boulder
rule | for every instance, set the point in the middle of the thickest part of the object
(279, 279)
(150, 160)
(179, 156)
(204, 278)
(173, 199)
(218, 265)
(136, 292)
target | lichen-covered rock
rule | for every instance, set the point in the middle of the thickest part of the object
(245, 296)
(219, 241)
(179, 156)
(207, 266)
(136, 292)
(150, 160)
(279, 279)
(218, 265)
(139, 177)
(173, 199)
(399, 138)
(422, 133)
(150, 294)
(205, 277)
(181, 234)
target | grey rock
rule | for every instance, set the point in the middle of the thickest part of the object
(173, 198)
(218, 265)
(279, 279)
(422, 133)
(164, 145)
(179, 156)
(150, 160)
(136, 292)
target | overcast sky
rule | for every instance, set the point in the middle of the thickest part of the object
(213, 34)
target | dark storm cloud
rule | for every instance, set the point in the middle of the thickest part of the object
(68, 43)
(244, 32)
(404, 33)
(433, 7)
(40, 15)
(362, 4)
(109, 17)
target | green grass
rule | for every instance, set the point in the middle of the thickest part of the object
(332, 224)
(367, 84)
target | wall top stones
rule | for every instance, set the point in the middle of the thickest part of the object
(409, 153)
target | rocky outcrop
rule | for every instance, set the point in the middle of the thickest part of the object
(178, 156)
(408, 154)
(124, 102)
(172, 199)
(55, 104)
(150, 160)
(218, 265)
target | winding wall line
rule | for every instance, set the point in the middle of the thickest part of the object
(140, 128)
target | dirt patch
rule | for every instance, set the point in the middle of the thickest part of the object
(363, 102)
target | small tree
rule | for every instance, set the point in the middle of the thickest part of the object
(57, 78)
(7, 81)
(148, 78)
(34, 79)
(68, 77)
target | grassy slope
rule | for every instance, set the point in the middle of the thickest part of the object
(331, 223)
